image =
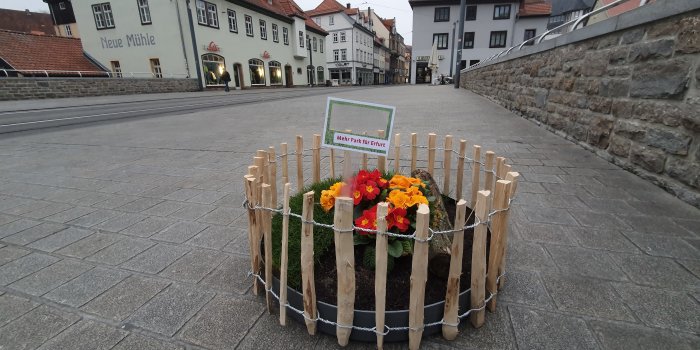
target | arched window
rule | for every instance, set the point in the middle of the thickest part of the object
(213, 66)
(320, 76)
(275, 72)
(257, 71)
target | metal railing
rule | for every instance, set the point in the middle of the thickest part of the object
(49, 73)
(574, 23)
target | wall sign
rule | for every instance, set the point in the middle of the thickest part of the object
(130, 40)
(363, 119)
(422, 58)
(212, 47)
(265, 55)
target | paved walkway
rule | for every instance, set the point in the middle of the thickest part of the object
(130, 235)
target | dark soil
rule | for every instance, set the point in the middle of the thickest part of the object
(398, 283)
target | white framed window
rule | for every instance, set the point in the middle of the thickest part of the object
(343, 54)
(155, 68)
(315, 44)
(103, 15)
(301, 38)
(275, 33)
(336, 55)
(357, 37)
(201, 12)
(212, 16)
(330, 20)
(248, 25)
(144, 12)
(308, 41)
(320, 45)
(263, 30)
(62, 5)
(232, 21)
(206, 14)
(317, 20)
(275, 69)
(342, 36)
(335, 37)
(116, 69)
(69, 32)
(257, 71)
(285, 35)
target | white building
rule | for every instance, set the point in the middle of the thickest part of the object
(260, 42)
(382, 52)
(490, 27)
(350, 44)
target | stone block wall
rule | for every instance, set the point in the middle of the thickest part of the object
(36, 88)
(631, 95)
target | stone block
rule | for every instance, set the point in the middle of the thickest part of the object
(156, 258)
(671, 247)
(60, 239)
(625, 336)
(587, 296)
(148, 227)
(213, 237)
(86, 287)
(689, 35)
(24, 266)
(685, 171)
(544, 330)
(87, 335)
(8, 254)
(137, 341)
(194, 266)
(663, 29)
(614, 87)
(180, 232)
(656, 271)
(230, 276)
(661, 308)
(36, 327)
(671, 141)
(34, 233)
(651, 50)
(89, 245)
(663, 79)
(632, 36)
(603, 239)
(13, 307)
(619, 146)
(120, 301)
(51, 277)
(585, 262)
(648, 158)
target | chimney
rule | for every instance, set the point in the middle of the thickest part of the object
(348, 6)
(26, 12)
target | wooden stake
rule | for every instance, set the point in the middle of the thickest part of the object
(478, 282)
(381, 160)
(381, 254)
(273, 176)
(500, 168)
(513, 178)
(307, 262)
(498, 227)
(488, 168)
(397, 153)
(300, 163)
(332, 159)
(451, 314)
(257, 238)
(316, 151)
(250, 186)
(284, 257)
(265, 167)
(346, 191)
(414, 151)
(285, 164)
(476, 173)
(459, 193)
(447, 165)
(431, 153)
(345, 266)
(267, 234)
(419, 276)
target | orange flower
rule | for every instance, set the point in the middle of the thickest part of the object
(328, 196)
(399, 181)
(398, 199)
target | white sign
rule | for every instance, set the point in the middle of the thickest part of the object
(355, 126)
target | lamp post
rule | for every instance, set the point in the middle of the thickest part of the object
(454, 48)
(462, 9)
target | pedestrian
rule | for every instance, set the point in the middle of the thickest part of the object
(226, 78)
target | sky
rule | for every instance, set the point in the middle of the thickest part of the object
(384, 8)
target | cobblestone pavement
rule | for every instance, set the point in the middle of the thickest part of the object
(130, 235)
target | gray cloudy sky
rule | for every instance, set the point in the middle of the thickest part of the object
(385, 8)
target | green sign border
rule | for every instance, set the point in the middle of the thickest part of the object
(329, 135)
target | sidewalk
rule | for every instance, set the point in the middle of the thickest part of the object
(131, 235)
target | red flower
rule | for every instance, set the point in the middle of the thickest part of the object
(369, 190)
(382, 183)
(356, 196)
(397, 218)
(368, 220)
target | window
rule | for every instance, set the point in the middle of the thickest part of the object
(206, 14)
(501, 12)
(155, 68)
(248, 25)
(343, 54)
(275, 69)
(201, 12)
(357, 37)
(335, 37)
(317, 20)
(257, 71)
(468, 40)
(212, 16)
(315, 44)
(116, 69)
(103, 15)
(498, 39)
(144, 12)
(263, 30)
(62, 5)
(442, 14)
(213, 66)
(301, 38)
(308, 41)
(442, 40)
(471, 13)
(275, 33)
(330, 20)
(320, 45)
(529, 34)
(232, 21)
(336, 55)
(319, 74)
(285, 35)
(342, 37)
(69, 32)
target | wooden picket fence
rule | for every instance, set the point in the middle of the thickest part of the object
(490, 200)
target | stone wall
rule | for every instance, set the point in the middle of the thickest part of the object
(34, 88)
(631, 95)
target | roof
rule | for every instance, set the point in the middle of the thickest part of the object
(286, 9)
(26, 22)
(535, 8)
(389, 23)
(24, 51)
(327, 7)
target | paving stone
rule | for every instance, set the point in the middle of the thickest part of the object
(562, 188)
(192, 211)
(612, 206)
(495, 334)
(655, 225)
(222, 323)
(531, 187)
(120, 222)
(5, 219)
(24, 205)
(207, 197)
(692, 226)
(220, 216)
(60, 239)
(545, 330)
(656, 271)
(586, 262)
(229, 200)
(24, 266)
(87, 335)
(171, 309)
(661, 308)
(140, 342)
(599, 220)
(90, 199)
(164, 208)
(292, 336)
(89, 245)
(549, 216)
(180, 232)
(230, 276)
(603, 239)
(48, 210)
(156, 258)
(120, 301)
(528, 256)
(8, 254)
(70, 214)
(121, 251)
(624, 336)
(94, 218)
(213, 237)
(50, 277)
(13, 307)
(115, 201)
(671, 247)
(586, 296)
(17, 226)
(194, 266)
(86, 286)
(34, 233)
(544, 233)
(183, 194)
(36, 327)
(139, 205)
(525, 287)
(148, 227)
(239, 245)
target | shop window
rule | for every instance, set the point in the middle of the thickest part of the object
(232, 21)
(285, 35)
(501, 12)
(103, 15)
(144, 12)
(248, 25)
(442, 40)
(471, 13)
(263, 30)
(275, 69)
(116, 69)
(442, 14)
(468, 40)
(213, 66)
(257, 71)
(498, 38)
(155, 68)
(275, 33)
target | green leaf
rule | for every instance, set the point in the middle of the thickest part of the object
(407, 247)
(395, 249)
(360, 240)
(369, 258)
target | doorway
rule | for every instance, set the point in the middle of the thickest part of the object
(289, 76)
(237, 76)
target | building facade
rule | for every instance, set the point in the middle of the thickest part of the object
(63, 18)
(262, 43)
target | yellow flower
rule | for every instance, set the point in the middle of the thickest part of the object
(398, 199)
(399, 181)
(328, 196)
